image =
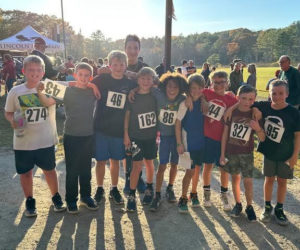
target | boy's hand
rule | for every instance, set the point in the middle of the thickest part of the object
(127, 141)
(13, 124)
(189, 103)
(95, 90)
(131, 95)
(180, 149)
(130, 75)
(222, 160)
(292, 161)
(254, 124)
(40, 87)
(204, 105)
(256, 114)
(104, 70)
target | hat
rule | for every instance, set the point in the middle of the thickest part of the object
(39, 40)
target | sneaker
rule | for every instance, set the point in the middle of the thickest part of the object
(57, 203)
(99, 196)
(30, 210)
(126, 188)
(115, 195)
(194, 199)
(148, 197)
(224, 199)
(131, 204)
(141, 186)
(182, 205)
(236, 211)
(72, 207)
(206, 198)
(266, 214)
(250, 214)
(89, 203)
(170, 195)
(280, 217)
(155, 204)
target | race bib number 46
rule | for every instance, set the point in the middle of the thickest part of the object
(215, 111)
(54, 89)
(240, 131)
(147, 120)
(273, 131)
(167, 117)
(36, 115)
(115, 100)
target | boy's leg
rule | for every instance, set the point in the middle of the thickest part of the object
(51, 179)
(224, 178)
(26, 180)
(206, 175)
(186, 182)
(248, 184)
(281, 189)
(268, 188)
(173, 173)
(195, 179)
(149, 170)
(100, 172)
(114, 172)
(135, 173)
(236, 179)
(160, 176)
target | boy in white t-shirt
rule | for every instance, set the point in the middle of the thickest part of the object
(33, 143)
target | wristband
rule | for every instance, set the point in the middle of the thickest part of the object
(179, 144)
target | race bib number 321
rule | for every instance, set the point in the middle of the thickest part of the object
(215, 111)
(36, 115)
(147, 120)
(115, 100)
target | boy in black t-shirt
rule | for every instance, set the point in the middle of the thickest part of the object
(140, 134)
(281, 147)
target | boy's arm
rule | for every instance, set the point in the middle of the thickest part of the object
(223, 145)
(45, 101)
(228, 113)
(204, 105)
(131, 95)
(10, 118)
(95, 89)
(294, 158)
(126, 126)
(254, 124)
(180, 148)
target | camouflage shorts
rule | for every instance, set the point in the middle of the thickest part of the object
(240, 163)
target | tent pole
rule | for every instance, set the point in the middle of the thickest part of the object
(168, 33)
(63, 26)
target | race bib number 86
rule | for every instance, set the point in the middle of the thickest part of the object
(215, 111)
(273, 131)
(240, 131)
(167, 117)
(36, 115)
(147, 120)
(115, 100)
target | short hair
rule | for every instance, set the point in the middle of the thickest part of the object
(7, 57)
(196, 78)
(70, 71)
(39, 40)
(286, 57)
(100, 60)
(184, 62)
(220, 74)
(278, 83)
(33, 59)
(84, 59)
(146, 71)
(252, 68)
(133, 38)
(176, 77)
(83, 65)
(70, 58)
(117, 54)
(245, 89)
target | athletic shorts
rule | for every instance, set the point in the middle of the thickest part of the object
(240, 164)
(144, 149)
(168, 150)
(43, 158)
(212, 151)
(277, 168)
(197, 158)
(108, 147)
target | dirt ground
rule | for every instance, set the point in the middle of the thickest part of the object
(112, 228)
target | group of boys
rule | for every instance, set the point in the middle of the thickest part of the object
(198, 133)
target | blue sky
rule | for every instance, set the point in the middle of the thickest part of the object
(117, 18)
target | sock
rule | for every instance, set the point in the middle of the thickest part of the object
(206, 187)
(132, 192)
(113, 187)
(223, 189)
(279, 205)
(150, 185)
(170, 186)
(239, 204)
(267, 203)
(101, 187)
(157, 194)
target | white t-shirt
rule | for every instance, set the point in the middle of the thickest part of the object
(183, 70)
(40, 129)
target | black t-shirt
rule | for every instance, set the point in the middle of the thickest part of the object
(191, 70)
(49, 71)
(110, 111)
(280, 126)
(143, 119)
(136, 67)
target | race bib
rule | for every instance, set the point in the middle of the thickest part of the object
(115, 100)
(54, 89)
(215, 111)
(240, 131)
(273, 131)
(167, 117)
(36, 115)
(147, 120)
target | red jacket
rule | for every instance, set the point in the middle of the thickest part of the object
(9, 69)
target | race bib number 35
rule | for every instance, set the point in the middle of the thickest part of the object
(167, 117)
(115, 100)
(215, 111)
(273, 131)
(240, 131)
(36, 115)
(54, 89)
(147, 120)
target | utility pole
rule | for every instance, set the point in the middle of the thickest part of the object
(168, 33)
(63, 26)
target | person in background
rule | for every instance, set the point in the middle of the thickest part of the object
(69, 63)
(235, 78)
(61, 76)
(272, 79)
(205, 72)
(8, 72)
(84, 59)
(183, 67)
(191, 69)
(69, 75)
(100, 62)
(161, 68)
(252, 77)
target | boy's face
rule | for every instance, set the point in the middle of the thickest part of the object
(118, 68)
(172, 90)
(83, 76)
(195, 91)
(246, 100)
(132, 50)
(33, 72)
(278, 94)
(219, 85)
(145, 82)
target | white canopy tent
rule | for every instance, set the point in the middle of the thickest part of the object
(24, 41)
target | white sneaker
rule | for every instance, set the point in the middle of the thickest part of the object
(206, 198)
(226, 204)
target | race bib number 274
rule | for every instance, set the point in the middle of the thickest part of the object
(36, 114)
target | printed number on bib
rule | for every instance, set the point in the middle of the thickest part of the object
(215, 111)
(167, 117)
(147, 120)
(273, 131)
(115, 100)
(240, 131)
(54, 89)
(36, 115)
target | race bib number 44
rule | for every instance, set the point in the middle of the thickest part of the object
(115, 100)
(54, 89)
(215, 111)
(36, 115)
(167, 117)
(273, 131)
(240, 131)
(147, 120)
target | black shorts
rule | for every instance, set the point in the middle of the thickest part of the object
(43, 158)
(144, 149)
(197, 158)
